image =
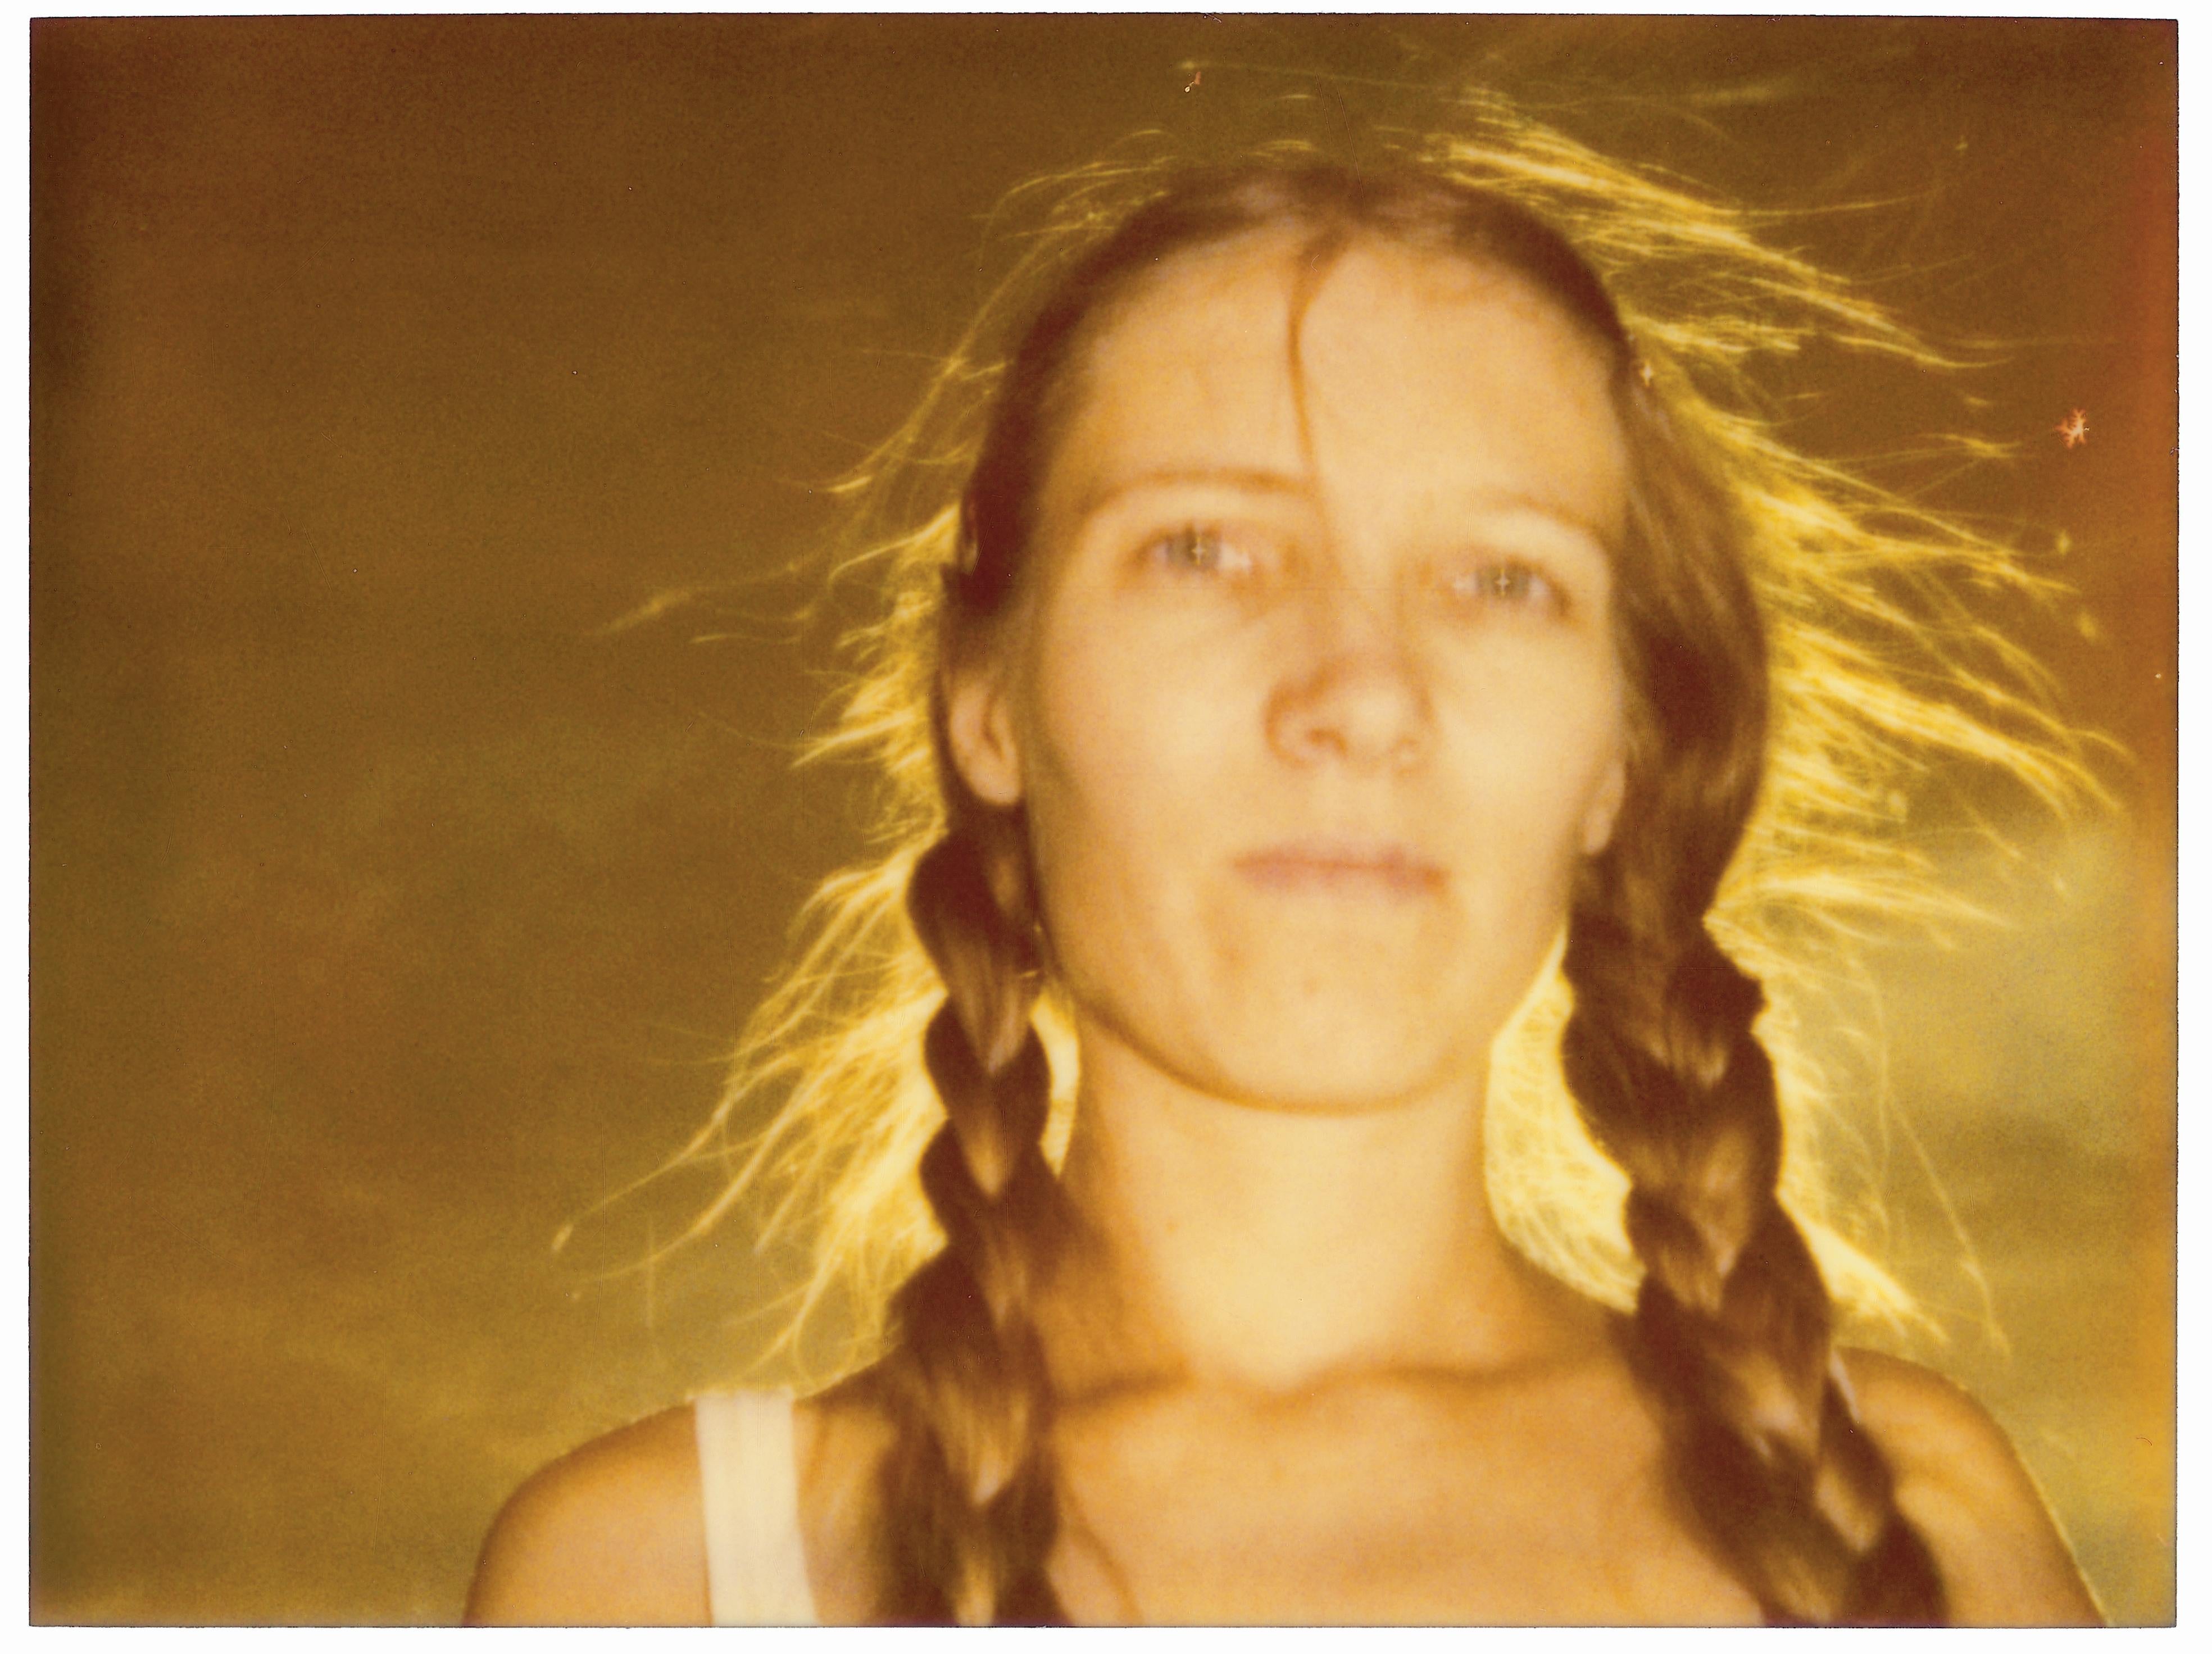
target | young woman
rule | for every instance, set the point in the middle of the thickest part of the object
(1353, 619)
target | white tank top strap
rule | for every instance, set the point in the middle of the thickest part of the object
(749, 1493)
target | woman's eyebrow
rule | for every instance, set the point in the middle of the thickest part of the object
(1247, 479)
(1515, 505)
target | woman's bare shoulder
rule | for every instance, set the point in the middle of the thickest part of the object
(1960, 1482)
(841, 1435)
(611, 1535)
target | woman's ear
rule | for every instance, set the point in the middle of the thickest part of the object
(1605, 807)
(979, 727)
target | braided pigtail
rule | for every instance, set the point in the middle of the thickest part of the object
(969, 1510)
(1733, 1321)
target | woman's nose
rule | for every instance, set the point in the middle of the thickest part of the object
(1354, 694)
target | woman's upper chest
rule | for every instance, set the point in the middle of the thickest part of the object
(1420, 1500)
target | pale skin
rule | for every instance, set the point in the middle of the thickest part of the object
(1312, 703)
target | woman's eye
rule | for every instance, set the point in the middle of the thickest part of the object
(1507, 585)
(1197, 549)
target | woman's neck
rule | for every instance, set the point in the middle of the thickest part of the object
(1272, 1250)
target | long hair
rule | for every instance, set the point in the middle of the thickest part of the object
(1768, 734)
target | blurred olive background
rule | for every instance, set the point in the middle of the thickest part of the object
(394, 901)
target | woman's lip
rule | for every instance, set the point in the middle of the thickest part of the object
(1351, 869)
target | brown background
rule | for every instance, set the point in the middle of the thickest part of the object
(389, 909)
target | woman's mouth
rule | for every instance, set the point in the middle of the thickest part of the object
(1350, 867)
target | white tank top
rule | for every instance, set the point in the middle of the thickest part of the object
(749, 1494)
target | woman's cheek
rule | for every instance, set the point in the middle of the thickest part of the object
(1534, 757)
(1132, 715)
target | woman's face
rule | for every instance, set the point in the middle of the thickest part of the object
(1310, 693)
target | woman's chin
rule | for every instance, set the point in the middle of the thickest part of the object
(1351, 1067)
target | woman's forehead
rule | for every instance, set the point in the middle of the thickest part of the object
(1252, 354)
